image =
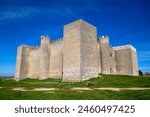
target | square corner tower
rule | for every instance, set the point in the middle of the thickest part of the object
(80, 53)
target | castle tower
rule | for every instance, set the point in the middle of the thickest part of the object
(80, 53)
(112, 61)
(126, 60)
(22, 64)
(105, 53)
(44, 57)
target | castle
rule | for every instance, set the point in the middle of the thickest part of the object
(76, 57)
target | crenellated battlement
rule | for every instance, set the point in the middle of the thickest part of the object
(45, 39)
(103, 36)
(103, 39)
(57, 41)
(44, 36)
(29, 47)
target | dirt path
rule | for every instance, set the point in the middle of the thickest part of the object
(110, 89)
(78, 89)
(44, 89)
(121, 89)
(20, 89)
(35, 89)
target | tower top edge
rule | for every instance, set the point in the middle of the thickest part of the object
(129, 46)
(79, 21)
(43, 36)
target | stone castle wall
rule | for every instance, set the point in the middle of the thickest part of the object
(105, 55)
(76, 57)
(89, 51)
(72, 52)
(44, 57)
(22, 66)
(125, 60)
(134, 61)
(56, 65)
(34, 63)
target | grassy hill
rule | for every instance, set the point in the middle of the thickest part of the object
(64, 91)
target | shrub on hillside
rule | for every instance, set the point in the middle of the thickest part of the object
(140, 73)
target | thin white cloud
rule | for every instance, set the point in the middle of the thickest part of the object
(28, 12)
(22, 12)
(60, 11)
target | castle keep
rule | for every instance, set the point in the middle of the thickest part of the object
(76, 57)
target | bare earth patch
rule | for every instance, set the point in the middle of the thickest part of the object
(20, 89)
(49, 90)
(81, 89)
(36, 89)
(45, 83)
(110, 89)
(134, 88)
(121, 89)
(44, 89)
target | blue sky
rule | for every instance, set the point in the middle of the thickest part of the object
(24, 21)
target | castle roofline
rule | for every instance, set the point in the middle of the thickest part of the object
(79, 21)
(27, 46)
(129, 46)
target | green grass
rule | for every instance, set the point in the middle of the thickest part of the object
(65, 93)
(73, 95)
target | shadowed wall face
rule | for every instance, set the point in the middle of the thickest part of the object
(22, 66)
(124, 65)
(89, 51)
(134, 62)
(126, 61)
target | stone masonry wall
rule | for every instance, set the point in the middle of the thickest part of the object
(19, 63)
(71, 52)
(134, 61)
(112, 61)
(56, 65)
(105, 55)
(89, 52)
(22, 66)
(99, 58)
(123, 57)
(44, 57)
(34, 63)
